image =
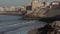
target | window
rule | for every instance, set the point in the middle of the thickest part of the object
(29, 8)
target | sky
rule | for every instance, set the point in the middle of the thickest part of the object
(14, 2)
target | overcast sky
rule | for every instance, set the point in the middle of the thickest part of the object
(13, 2)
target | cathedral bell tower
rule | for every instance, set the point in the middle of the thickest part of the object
(47, 3)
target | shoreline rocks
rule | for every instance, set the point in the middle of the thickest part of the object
(51, 28)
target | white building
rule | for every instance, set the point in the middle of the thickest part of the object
(9, 8)
(6, 8)
(12, 8)
(1, 9)
(47, 3)
(35, 3)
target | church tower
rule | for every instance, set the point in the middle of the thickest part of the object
(47, 3)
(35, 4)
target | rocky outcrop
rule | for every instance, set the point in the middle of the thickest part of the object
(33, 31)
(51, 28)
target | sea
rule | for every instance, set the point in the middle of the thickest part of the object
(10, 24)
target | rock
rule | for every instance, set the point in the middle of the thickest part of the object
(51, 28)
(33, 31)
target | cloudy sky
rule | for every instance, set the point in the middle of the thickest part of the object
(13, 2)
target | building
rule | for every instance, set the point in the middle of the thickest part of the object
(23, 8)
(55, 4)
(12, 8)
(6, 8)
(9, 8)
(1, 9)
(35, 3)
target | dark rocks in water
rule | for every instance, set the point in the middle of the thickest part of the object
(45, 29)
(33, 31)
(51, 28)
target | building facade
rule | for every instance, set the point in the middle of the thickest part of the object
(35, 3)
